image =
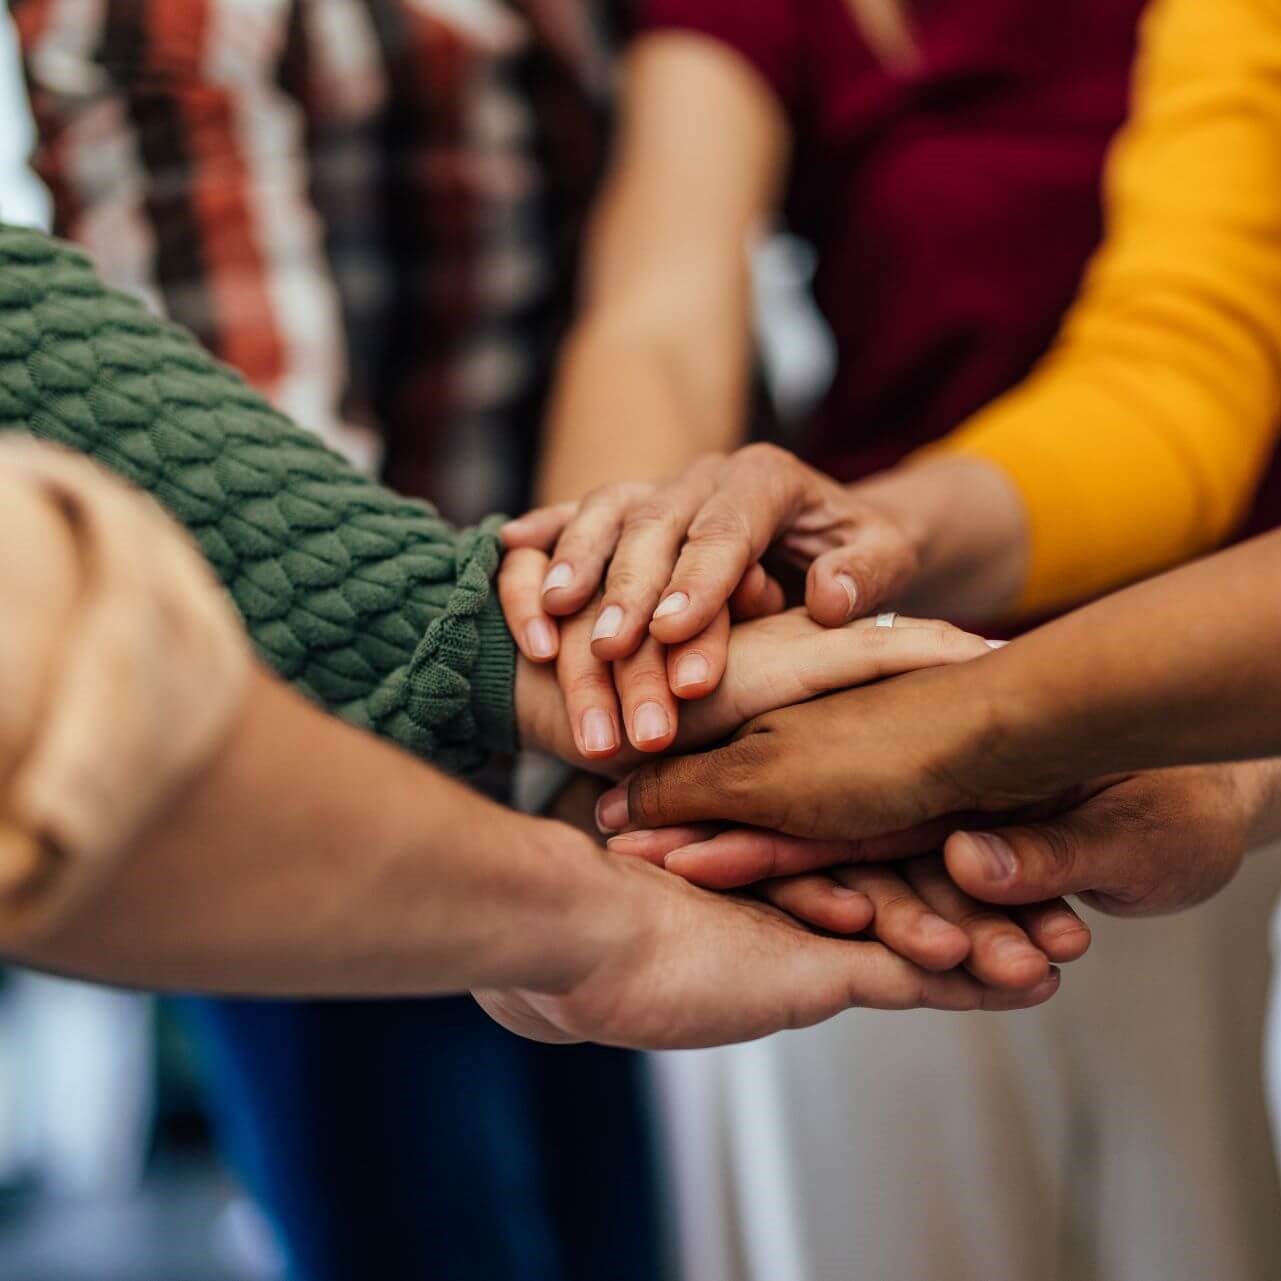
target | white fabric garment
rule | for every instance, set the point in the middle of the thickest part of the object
(1117, 1134)
(23, 200)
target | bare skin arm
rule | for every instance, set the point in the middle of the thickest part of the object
(655, 371)
(313, 859)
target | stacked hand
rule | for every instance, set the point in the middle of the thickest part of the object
(648, 580)
(605, 658)
(916, 810)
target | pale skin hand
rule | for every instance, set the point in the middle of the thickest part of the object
(719, 969)
(655, 375)
(772, 662)
(656, 372)
(947, 530)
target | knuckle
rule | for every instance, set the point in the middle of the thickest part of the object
(647, 795)
(764, 454)
(720, 524)
(585, 683)
(624, 580)
(651, 513)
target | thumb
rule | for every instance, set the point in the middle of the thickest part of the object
(854, 579)
(730, 784)
(1039, 861)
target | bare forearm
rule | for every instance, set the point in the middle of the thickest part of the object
(1182, 669)
(969, 530)
(625, 410)
(313, 859)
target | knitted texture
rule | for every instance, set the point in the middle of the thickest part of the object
(366, 601)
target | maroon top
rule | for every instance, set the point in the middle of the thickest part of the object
(953, 207)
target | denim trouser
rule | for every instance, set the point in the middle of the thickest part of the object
(417, 1141)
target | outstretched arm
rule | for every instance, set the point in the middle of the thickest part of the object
(311, 859)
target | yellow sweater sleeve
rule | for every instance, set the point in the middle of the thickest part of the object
(1139, 440)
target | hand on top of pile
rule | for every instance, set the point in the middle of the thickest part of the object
(632, 591)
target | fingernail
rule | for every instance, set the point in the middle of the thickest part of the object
(693, 669)
(540, 638)
(611, 810)
(625, 838)
(608, 623)
(650, 723)
(996, 644)
(844, 891)
(997, 855)
(676, 602)
(851, 590)
(598, 731)
(560, 575)
(683, 856)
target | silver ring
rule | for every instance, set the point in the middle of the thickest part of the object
(886, 620)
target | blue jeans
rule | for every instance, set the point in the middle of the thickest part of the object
(418, 1141)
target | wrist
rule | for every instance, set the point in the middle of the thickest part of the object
(966, 522)
(1013, 735)
(580, 915)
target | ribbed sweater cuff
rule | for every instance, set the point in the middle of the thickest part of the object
(493, 680)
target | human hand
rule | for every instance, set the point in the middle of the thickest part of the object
(910, 904)
(1139, 845)
(680, 967)
(887, 758)
(771, 662)
(671, 558)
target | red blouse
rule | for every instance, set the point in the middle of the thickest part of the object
(953, 206)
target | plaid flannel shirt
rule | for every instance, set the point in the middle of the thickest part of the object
(370, 207)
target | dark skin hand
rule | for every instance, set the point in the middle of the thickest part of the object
(1145, 844)
(1179, 669)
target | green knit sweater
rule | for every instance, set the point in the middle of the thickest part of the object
(368, 602)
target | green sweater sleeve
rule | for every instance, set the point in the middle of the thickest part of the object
(366, 601)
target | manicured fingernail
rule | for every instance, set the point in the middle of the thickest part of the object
(598, 731)
(540, 638)
(608, 624)
(611, 810)
(996, 644)
(650, 723)
(693, 669)
(851, 590)
(676, 602)
(997, 855)
(560, 575)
